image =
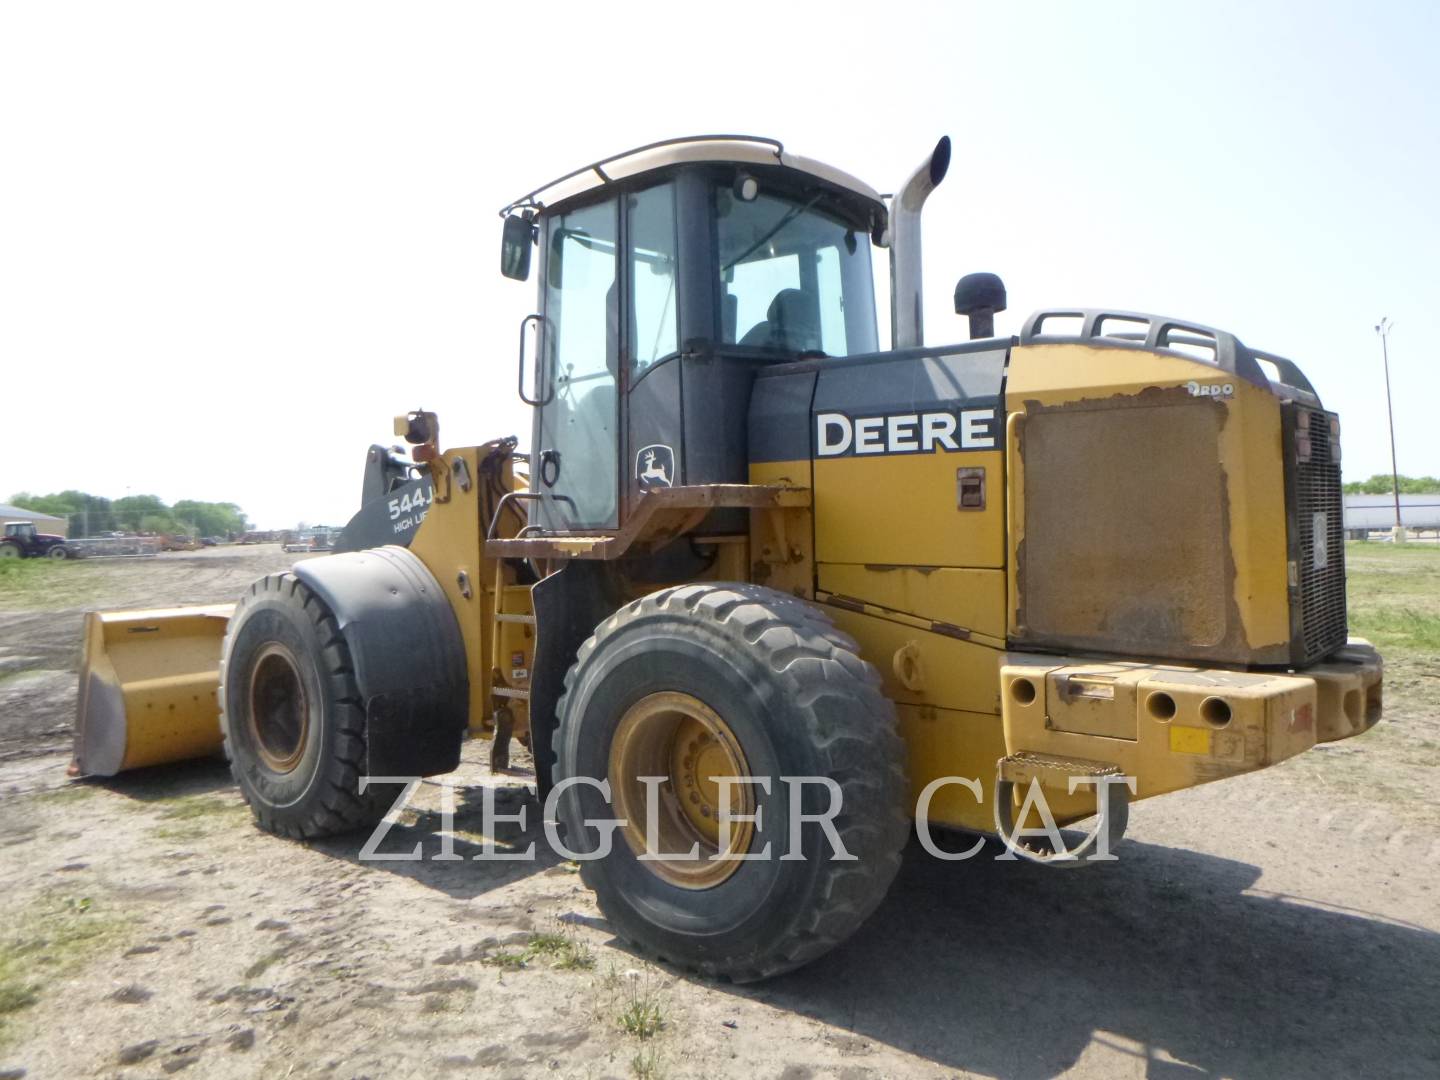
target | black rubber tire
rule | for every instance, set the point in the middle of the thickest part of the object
(59, 551)
(320, 795)
(11, 551)
(800, 702)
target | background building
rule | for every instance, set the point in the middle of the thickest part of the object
(44, 523)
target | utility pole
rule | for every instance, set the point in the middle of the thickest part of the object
(1383, 328)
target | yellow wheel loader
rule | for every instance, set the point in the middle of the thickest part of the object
(764, 595)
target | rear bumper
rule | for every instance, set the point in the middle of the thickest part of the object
(1349, 688)
(1173, 726)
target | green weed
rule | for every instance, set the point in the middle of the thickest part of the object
(54, 936)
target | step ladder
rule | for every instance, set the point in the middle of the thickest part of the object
(502, 716)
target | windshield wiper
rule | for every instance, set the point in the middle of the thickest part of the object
(791, 216)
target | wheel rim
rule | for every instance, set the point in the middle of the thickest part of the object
(679, 737)
(279, 708)
(7, 551)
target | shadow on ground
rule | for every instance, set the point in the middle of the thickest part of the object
(467, 871)
(163, 783)
(1012, 970)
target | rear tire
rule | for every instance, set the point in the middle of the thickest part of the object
(291, 714)
(10, 551)
(785, 693)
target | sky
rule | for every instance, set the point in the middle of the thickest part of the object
(236, 239)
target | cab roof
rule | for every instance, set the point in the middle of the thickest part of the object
(719, 149)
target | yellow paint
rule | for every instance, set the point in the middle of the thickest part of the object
(1191, 724)
(782, 540)
(1189, 740)
(1250, 456)
(972, 599)
(953, 674)
(953, 743)
(147, 687)
(448, 542)
(903, 509)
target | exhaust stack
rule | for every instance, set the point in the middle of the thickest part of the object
(907, 329)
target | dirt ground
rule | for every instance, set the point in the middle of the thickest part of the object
(1285, 924)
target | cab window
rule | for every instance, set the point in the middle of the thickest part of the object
(793, 278)
(653, 329)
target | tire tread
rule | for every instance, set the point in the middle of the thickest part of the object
(815, 661)
(339, 806)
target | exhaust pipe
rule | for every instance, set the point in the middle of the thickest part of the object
(907, 325)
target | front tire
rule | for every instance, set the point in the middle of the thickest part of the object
(59, 551)
(291, 714)
(731, 679)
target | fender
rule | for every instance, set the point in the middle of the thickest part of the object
(408, 653)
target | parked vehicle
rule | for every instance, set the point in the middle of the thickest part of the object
(23, 541)
(754, 554)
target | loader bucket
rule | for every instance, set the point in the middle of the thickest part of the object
(147, 688)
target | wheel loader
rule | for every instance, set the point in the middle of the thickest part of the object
(763, 597)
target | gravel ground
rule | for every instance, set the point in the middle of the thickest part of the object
(1277, 925)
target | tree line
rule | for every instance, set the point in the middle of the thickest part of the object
(95, 515)
(1384, 484)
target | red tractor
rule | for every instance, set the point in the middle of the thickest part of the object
(22, 541)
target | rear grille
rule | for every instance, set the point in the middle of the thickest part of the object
(1319, 538)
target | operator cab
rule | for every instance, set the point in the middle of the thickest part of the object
(669, 276)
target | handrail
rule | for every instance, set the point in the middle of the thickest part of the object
(521, 496)
(598, 167)
(1162, 334)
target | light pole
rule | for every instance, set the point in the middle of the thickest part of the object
(1383, 328)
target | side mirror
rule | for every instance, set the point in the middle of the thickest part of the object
(515, 246)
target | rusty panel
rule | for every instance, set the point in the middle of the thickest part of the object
(1125, 545)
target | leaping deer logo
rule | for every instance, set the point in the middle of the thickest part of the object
(654, 465)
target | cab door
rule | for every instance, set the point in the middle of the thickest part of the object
(577, 443)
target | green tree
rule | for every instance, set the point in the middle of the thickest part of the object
(1383, 484)
(209, 518)
(91, 515)
(144, 513)
(88, 514)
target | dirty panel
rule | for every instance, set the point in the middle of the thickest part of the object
(1125, 527)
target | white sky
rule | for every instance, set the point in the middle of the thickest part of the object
(236, 239)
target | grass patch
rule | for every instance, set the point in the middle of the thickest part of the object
(1398, 628)
(558, 949)
(1393, 596)
(562, 951)
(642, 1018)
(508, 959)
(195, 816)
(641, 1010)
(66, 793)
(646, 1063)
(191, 807)
(47, 941)
(49, 583)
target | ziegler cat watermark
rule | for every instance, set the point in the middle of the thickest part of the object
(1033, 812)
